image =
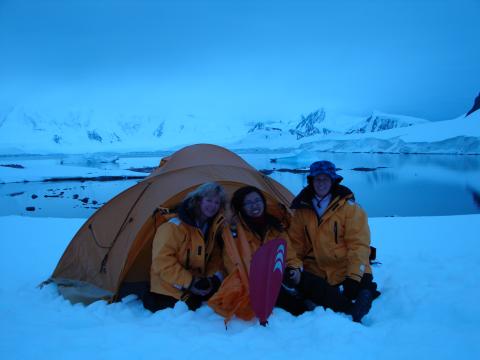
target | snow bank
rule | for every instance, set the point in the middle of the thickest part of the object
(429, 308)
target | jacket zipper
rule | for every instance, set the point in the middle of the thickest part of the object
(310, 250)
(335, 231)
(187, 262)
(308, 236)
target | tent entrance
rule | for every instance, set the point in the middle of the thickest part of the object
(136, 273)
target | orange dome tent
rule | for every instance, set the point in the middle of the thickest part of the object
(114, 245)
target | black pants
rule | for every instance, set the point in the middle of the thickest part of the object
(323, 294)
(153, 301)
(293, 302)
(315, 291)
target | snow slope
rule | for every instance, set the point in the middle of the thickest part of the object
(428, 309)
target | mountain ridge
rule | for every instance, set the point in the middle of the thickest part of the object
(77, 131)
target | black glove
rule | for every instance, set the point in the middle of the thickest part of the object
(288, 279)
(200, 286)
(215, 282)
(350, 288)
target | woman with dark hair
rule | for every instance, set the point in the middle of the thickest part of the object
(331, 236)
(186, 252)
(250, 212)
(251, 227)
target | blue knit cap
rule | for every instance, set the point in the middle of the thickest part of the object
(324, 167)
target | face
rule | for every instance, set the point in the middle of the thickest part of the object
(209, 206)
(322, 184)
(253, 205)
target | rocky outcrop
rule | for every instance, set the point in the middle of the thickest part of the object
(308, 125)
(476, 105)
(261, 126)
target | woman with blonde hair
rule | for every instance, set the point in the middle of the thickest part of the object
(186, 252)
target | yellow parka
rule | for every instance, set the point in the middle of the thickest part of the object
(240, 244)
(335, 245)
(255, 241)
(180, 252)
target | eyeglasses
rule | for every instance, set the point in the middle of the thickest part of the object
(249, 204)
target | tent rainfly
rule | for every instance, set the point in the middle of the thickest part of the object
(114, 245)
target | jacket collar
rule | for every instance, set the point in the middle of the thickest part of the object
(304, 199)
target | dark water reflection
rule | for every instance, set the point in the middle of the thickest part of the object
(381, 176)
(63, 199)
(461, 163)
(401, 185)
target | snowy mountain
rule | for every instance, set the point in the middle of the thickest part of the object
(402, 134)
(381, 122)
(84, 130)
(44, 131)
(318, 123)
(311, 125)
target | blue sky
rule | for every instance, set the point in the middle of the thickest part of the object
(255, 59)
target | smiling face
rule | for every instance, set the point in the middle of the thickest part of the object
(209, 206)
(322, 184)
(253, 205)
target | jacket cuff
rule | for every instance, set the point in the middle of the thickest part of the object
(356, 272)
(185, 284)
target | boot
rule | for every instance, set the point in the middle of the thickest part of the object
(362, 305)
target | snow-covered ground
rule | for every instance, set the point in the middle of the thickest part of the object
(428, 308)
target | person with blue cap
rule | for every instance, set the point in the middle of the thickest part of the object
(331, 236)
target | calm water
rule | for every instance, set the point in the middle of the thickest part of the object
(401, 185)
(395, 185)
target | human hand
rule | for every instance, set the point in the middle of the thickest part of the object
(215, 282)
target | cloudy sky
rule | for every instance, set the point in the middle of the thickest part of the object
(258, 60)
